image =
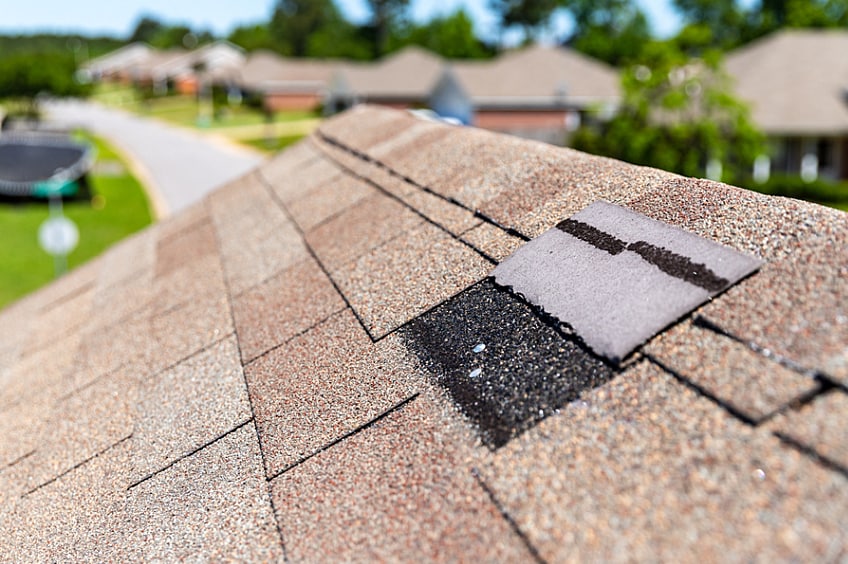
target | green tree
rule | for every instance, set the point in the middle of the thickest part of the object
(252, 37)
(25, 76)
(677, 114)
(386, 17)
(713, 23)
(770, 15)
(450, 36)
(613, 31)
(146, 29)
(529, 15)
(294, 21)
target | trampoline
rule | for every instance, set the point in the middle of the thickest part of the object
(41, 165)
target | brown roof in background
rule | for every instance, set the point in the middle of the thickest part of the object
(247, 381)
(540, 75)
(796, 81)
(409, 73)
(269, 72)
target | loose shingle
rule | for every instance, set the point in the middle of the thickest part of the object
(617, 277)
(821, 425)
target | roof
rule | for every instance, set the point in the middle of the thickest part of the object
(268, 72)
(538, 76)
(314, 363)
(796, 81)
(410, 73)
(119, 59)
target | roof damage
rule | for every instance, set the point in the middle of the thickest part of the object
(321, 361)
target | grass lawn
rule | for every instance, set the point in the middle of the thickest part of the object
(273, 145)
(118, 208)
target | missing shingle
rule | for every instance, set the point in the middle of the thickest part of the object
(503, 366)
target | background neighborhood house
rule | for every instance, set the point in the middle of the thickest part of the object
(797, 85)
(286, 83)
(538, 92)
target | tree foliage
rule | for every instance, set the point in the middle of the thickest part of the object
(386, 17)
(613, 31)
(529, 15)
(25, 76)
(165, 36)
(450, 36)
(677, 114)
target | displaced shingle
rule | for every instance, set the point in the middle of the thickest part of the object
(274, 312)
(821, 426)
(406, 276)
(643, 468)
(727, 370)
(397, 491)
(322, 385)
(617, 277)
(447, 215)
(493, 241)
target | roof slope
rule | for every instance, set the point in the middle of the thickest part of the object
(538, 75)
(268, 72)
(287, 369)
(796, 81)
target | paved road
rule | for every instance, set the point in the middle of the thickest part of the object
(178, 166)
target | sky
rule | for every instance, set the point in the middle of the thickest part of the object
(221, 16)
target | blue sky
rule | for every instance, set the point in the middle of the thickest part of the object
(118, 18)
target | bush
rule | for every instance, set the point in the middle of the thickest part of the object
(820, 190)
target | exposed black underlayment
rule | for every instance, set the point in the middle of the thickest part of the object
(504, 367)
(669, 262)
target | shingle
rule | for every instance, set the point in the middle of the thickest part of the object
(288, 304)
(188, 219)
(322, 385)
(47, 372)
(821, 425)
(617, 277)
(753, 385)
(397, 491)
(187, 406)
(447, 215)
(360, 229)
(184, 247)
(82, 425)
(181, 332)
(257, 240)
(644, 469)
(383, 125)
(408, 275)
(211, 506)
(122, 262)
(295, 184)
(328, 200)
(196, 280)
(796, 307)
(61, 318)
(286, 162)
(494, 241)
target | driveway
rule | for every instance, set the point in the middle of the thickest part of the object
(177, 166)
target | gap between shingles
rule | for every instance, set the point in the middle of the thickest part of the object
(78, 465)
(810, 452)
(507, 517)
(189, 454)
(311, 251)
(230, 299)
(301, 333)
(18, 460)
(67, 297)
(349, 434)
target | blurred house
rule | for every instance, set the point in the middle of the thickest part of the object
(117, 66)
(796, 82)
(404, 79)
(285, 83)
(220, 62)
(538, 92)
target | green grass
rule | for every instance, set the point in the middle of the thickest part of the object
(274, 145)
(119, 207)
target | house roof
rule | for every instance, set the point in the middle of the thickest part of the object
(796, 81)
(313, 363)
(538, 76)
(268, 72)
(410, 73)
(120, 59)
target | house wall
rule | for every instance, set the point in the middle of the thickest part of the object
(523, 119)
(286, 101)
(831, 153)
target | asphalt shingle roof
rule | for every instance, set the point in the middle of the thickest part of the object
(292, 368)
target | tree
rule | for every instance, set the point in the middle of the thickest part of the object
(146, 29)
(718, 23)
(774, 14)
(450, 36)
(530, 15)
(252, 37)
(386, 16)
(313, 28)
(613, 31)
(25, 76)
(677, 114)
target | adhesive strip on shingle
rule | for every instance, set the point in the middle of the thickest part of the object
(617, 277)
